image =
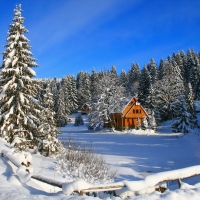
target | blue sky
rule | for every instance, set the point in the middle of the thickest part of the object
(68, 36)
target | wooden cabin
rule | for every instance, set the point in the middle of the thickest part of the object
(126, 115)
(85, 109)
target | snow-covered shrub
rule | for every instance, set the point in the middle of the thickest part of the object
(138, 126)
(144, 124)
(183, 124)
(80, 162)
(78, 120)
(152, 121)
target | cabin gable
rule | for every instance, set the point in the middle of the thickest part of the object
(130, 104)
(137, 111)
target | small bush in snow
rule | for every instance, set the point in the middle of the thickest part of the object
(80, 162)
(138, 126)
(78, 120)
(144, 125)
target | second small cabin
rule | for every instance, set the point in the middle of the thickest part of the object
(85, 109)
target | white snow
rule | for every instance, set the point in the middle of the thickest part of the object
(142, 156)
(23, 175)
(14, 61)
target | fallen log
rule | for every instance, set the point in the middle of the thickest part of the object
(47, 180)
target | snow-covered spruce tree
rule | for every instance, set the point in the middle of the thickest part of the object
(123, 79)
(72, 94)
(113, 72)
(160, 69)
(178, 58)
(84, 93)
(108, 94)
(78, 120)
(195, 77)
(47, 128)
(183, 125)
(152, 107)
(20, 111)
(64, 86)
(94, 79)
(133, 79)
(144, 125)
(152, 122)
(191, 106)
(80, 87)
(153, 70)
(169, 91)
(144, 84)
(61, 115)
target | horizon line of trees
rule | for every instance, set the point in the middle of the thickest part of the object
(166, 90)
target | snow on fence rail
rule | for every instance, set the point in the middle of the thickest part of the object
(150, 182)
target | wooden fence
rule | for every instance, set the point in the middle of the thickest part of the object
(156, 183)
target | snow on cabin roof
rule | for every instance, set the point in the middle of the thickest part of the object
(121, 105)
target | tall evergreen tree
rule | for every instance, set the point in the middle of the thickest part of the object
(19, 109)
(72, 93)
(153, 71)
(123, 79)
(161, 69)
(61, 115)
(133, 79)
(94, 79)
(48, 138)
(54, 91)
(195, 77)
(191, 106)
(144, 85)
(66, 102)
(170, 90)
(113, 72)
(108, 94)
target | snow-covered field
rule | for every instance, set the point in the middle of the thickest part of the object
(134, 154)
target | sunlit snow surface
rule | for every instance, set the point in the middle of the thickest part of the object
(133, 154)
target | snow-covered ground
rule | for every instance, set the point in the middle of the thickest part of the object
(134, 154)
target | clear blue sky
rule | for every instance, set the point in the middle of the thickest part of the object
(72, 35)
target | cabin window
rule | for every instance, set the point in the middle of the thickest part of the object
(134, 111)
(137, 111)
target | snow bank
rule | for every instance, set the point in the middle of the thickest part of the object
(141, 132)
(23, 175)
(11, 157)
(154, 179)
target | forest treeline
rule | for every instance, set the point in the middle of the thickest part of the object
(167, 90)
